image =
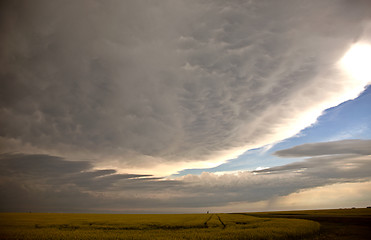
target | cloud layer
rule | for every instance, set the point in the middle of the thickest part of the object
(48, 183)
(351, 146)
(145, 85)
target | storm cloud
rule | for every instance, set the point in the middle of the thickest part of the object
(102, 101)
(150, 84)
(49, 183)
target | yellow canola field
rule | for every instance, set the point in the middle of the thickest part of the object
(151, 226)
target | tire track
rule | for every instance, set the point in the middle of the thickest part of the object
(220, 220)
(205, 223)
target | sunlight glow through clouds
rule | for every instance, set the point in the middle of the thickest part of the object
(329, 196)
(357, 62)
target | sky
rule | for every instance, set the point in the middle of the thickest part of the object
(184, 106)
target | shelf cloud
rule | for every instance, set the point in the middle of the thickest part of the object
(169, 84)
(102, 101)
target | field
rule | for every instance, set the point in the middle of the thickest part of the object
(314, 224)
(335, 224)
(160, 226)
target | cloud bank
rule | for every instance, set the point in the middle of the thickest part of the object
(349, 146)
(48, 183)
(159, 86)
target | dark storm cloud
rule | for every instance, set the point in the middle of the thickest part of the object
(142, 83)
(74, 186)
(90, 89)
(27, 185)
(39, 165)
(58, 171)
(49, 183)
